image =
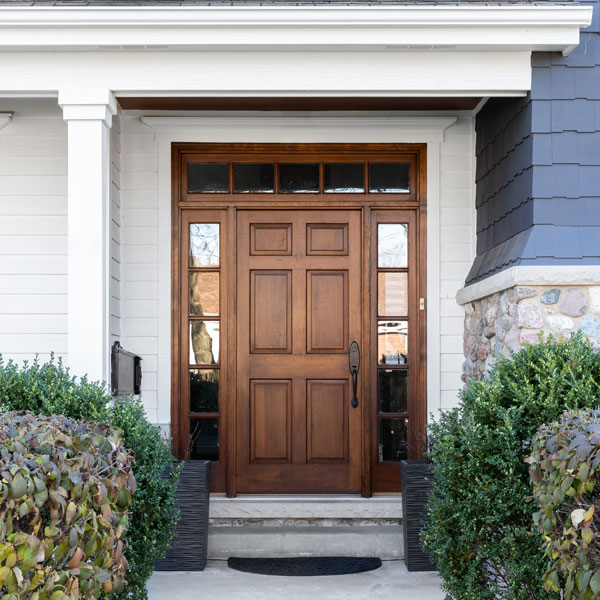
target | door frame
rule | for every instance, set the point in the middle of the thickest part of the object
(179, 203)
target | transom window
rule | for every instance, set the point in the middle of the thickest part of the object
(381, 177)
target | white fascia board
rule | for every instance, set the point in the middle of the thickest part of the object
(481, 27)
(546, 275)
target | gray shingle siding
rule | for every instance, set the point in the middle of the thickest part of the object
(538, 166)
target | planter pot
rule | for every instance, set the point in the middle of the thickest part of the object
(416, 486)
(188, 548)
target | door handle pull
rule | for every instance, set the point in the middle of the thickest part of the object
(354, 364)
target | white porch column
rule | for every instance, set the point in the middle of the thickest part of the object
(89, 118)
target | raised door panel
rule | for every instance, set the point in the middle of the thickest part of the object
(270, 239)
(327, 239)
(327, 416)
(270, 312)
(327, 311)
(270, 420)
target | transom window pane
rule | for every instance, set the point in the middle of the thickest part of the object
(392, 294)
(204, 294)
(204, 342)
(344, 178)
(392, 246)
(392, 390)
(389, 178)
(392, 342)
(393, 440)
(298, 178)
(208, 178)
(204, 245)
(253, 178)
(204, 439)
(204, 391)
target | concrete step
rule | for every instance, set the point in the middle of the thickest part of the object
(384, 541)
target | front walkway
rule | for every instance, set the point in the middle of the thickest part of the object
(218, 582)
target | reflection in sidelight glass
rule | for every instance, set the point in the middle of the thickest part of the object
(204, 439)
(253, 178)
(392, 246)
(204, 342)
(392, 294)
(208, 178)
(388, 178)
(204, 294)
(298, 178)
(344, 178)
(204, 391)
(393, 440)
(392, 342)
(392, 391)
(204, 245)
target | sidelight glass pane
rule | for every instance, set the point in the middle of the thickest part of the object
(208, 178)
(204, 294)
(204, 342)
(344, 178)
(253, 178)
(204, 245)
(389, 178)
(392, 246)
(298, 178)
(392, 342)
(392, 294)
(204, 391)
(392, 391)
(393, 440)
(204, 439)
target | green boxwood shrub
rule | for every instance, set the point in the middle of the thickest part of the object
(65, 488)
(565, 471)
(479, 530)
(48, 389)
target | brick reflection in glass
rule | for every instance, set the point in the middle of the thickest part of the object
(204, 439)
(392, 342)
(204, 391)
(393, 440)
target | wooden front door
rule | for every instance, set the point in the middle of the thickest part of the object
(299, 309)
(283, 255)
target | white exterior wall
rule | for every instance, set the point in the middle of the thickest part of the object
(147, 256)
(33, 231)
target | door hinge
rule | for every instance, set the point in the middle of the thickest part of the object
(421, 303)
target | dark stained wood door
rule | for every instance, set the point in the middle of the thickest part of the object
(299, 306)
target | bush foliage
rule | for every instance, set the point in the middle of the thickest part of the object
(48, 389)
(479, 529)
(565, 469)
(65, 487)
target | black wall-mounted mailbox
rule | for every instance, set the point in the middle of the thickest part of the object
(126, 371)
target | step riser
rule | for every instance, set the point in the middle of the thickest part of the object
(384, 542)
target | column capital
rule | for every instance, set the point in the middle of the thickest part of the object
(5, 119)
(87, 105)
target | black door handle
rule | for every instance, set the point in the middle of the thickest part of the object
(354, 364)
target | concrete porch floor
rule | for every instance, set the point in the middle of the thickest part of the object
(218, 582)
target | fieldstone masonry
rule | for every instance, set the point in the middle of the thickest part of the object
(499, 324)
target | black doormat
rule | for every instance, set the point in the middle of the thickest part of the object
(306, 566)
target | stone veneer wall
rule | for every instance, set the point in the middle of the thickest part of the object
(503, 322)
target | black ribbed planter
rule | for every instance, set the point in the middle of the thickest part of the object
(416, 485)
(189, 546)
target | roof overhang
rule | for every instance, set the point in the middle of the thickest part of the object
(438, 28)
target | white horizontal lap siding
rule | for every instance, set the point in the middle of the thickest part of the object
(140, 253)
(457, 250)
(115, 267)
(33, 231)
